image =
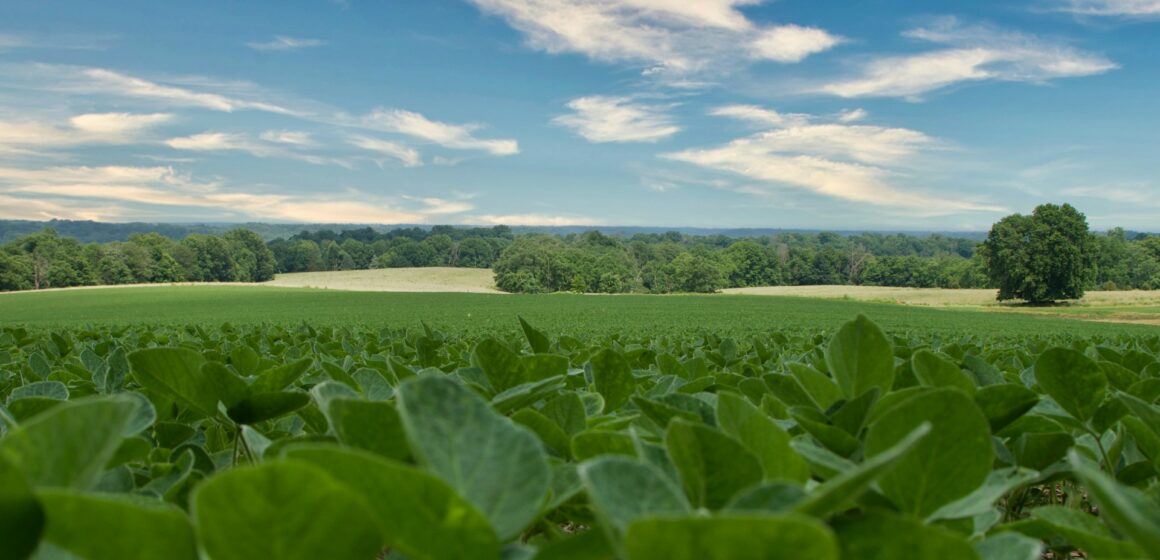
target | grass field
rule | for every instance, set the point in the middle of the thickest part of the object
(456, 312)
(430, 279)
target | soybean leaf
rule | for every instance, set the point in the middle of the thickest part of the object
(935, 370)
(285, 510)
(1009, 546)
(860, 357)
(536, 339)
(948, 465)
(418, 513)
(370, 426)
(260, 407)
(623, 490)
(612, 375)
(498, 466)
(767, 441)
(1072, 380)
(69, 445)
(21, 515)
(116, 527)
(501, 366)
(885, 535)
(1125, 508)
(731, 537)
(847, 485)
(175, 373)
(713, 466)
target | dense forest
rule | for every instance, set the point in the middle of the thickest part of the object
(535, 262)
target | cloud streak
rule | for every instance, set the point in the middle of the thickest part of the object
(856, 163)
(970, 54)
(281, 43)
(1116, 8)
(603, 119)
(454, 136)
(671, 38)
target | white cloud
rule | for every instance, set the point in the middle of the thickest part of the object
(670, 37)
(108, 193)
(759, 115)
(238, 142)
(973, 53)
(852, 115)
(440, 206)
(92, 128)
(283, 43)
(455, 136)
(102, 81)
(1122, 8)
(617, 119)
(409, 156)
(856, 163)
(792, 43)
(292, 137)
(530, 220)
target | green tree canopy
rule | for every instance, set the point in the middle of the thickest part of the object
(1040, 258)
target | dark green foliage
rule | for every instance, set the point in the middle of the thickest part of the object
(1040, 258)
(351, 441)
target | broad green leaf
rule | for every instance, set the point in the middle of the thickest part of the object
(767, 441)
(500, 364)
(45, 389)
(285, 510)
(1126, 509)
(768, 497)
(998, 484)
(935, 370)
(281, 377)
(593, 443)
(551, 435)
(116, 527)
(567, 411)
(713, 466)
(260, 407)
(860, 357)
(69, 445)
(949, 464)
(21, 515)
(498, 466)
(612, 375)
(370, 426)
(848, 485)
(419, 514)
(587, 545)
(543, 366)
(730, 537)
(175, 373)
(1081, 529)
(1072, 380)
(1009, 546)
(820, 387)
(1004, 403)
(623, 490)
(888, 536)
(536, 339)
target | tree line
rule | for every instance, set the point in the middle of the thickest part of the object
(580, 262)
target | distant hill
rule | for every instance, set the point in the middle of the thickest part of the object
(104, 232)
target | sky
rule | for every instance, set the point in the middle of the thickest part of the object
(901, 115)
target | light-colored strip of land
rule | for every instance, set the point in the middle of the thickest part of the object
(430, 279)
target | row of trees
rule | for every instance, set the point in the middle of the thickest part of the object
(48, 260)
(595, 262)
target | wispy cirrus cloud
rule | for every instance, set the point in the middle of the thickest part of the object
(530, 220)
(102, 81)
(670, 38)
(858, 163)
(121, 193)
(972, 53)
(241, 142)
(617, 119)
(1114, 8)
(454, 136)
(284, 43)
(408, 156)
(84, 129)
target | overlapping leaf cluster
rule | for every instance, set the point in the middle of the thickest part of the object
(272, 442)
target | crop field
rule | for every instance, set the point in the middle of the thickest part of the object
(159, 432)
(479, 313)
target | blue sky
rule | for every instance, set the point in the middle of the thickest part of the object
(715, 113)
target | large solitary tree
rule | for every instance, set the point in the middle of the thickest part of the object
(1040, 258)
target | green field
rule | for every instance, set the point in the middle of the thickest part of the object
(559, 313)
